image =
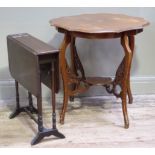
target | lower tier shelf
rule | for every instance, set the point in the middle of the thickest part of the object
(98, 80)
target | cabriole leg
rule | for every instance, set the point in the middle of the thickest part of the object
(64, 108)
(72, 64)
(131, 43)
(64, 72)
(125, 81)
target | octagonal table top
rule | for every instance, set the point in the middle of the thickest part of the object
(99, 23)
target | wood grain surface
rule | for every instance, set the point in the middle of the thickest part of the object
(99, 23)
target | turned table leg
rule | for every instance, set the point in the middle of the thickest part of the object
(39, 136)
(17, 109)
(125, 81)
(44, 132)
(53, 96)
(31, 108)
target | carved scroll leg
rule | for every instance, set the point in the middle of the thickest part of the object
(125, 82)
(131, 43)
(63, 69)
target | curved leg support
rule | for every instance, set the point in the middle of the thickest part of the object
(131, 43)
(64, 108)
(71, 98)
(129, 94)
(125, 82)
(46, 133)
(64, 71)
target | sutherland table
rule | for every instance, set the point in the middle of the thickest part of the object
(97, 26)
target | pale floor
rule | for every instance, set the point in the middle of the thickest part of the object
(90, 122)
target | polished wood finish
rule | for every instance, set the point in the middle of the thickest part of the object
(98, 80)
(97, 26)
(99, 23)
(32, 62)
(132, 46)
(19, 109)
(127, 64)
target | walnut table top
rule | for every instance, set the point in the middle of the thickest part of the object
(99, 23)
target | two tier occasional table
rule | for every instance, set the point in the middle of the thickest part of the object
(97, 26)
